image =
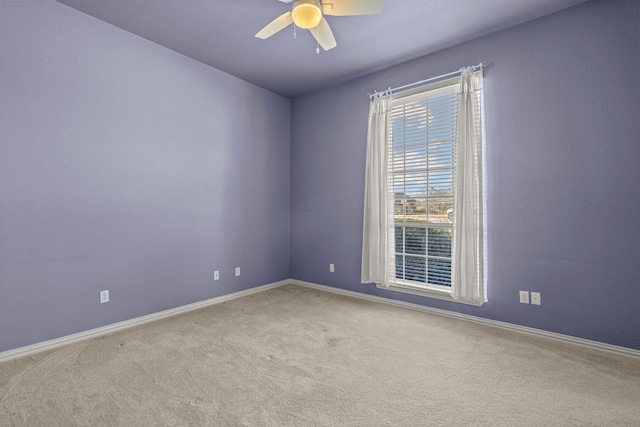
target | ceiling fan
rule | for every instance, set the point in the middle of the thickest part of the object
(308, 14)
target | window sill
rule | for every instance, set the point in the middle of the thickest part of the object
(423, 292)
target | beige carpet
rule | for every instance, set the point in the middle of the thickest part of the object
(298, 356)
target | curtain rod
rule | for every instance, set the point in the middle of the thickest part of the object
(389, 91)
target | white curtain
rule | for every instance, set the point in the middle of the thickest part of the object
(467, 263)
(378, 258)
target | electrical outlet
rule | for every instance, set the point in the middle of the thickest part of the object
(104, 296)
(524, 297)
(535, 298)
(331, 268)
(216, 275)
(237, 271)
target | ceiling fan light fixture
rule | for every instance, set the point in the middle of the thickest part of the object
(306, 15)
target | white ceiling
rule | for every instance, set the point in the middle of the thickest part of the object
(220, 33)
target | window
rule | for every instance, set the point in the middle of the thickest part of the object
(423, 228)
(422, 136)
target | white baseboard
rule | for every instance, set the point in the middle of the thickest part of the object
(92, 333)
(495, 323)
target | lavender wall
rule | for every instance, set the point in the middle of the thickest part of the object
(563, 153)
(128, 167)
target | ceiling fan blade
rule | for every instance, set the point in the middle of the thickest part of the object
(324, 35)
(280, 23)
(351, 7)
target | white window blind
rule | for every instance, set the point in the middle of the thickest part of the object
(422, 156)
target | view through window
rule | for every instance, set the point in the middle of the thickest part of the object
(422, 139)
